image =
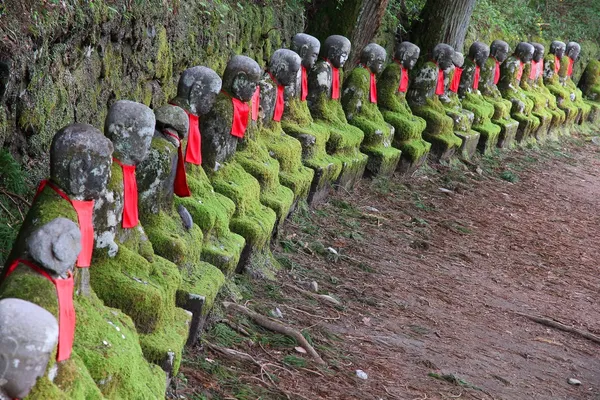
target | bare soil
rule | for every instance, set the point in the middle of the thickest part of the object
(432, 274)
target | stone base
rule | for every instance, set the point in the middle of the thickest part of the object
(320, 187)
(195, 304)
(407, 166)
(508, 132)
(469, 143)
(382, 163)
(524, 133)
(541, 134)
(441, 153)
(352, 173)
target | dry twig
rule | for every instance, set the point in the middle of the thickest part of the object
(557, 325)
(323, 297)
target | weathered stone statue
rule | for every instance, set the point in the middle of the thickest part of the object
(490, 77)
(408, 128)
(473, 100)
(510, 80)
(172, 230)
(127, 274)
(552, 65)
(298, 123)
(589, 84)
(463, 119)
(572, 52)
(423, 98)
(359, 100)
(324, 92)
(229, 117)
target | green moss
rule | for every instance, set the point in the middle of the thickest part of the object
(164, 62)
(590, 81)
(561, 95)
(204, 280)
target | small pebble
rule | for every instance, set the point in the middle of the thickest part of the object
(575, 382)
(314, 286)
(277, 313)
(361, 374)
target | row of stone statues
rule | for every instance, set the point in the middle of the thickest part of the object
(129, 240)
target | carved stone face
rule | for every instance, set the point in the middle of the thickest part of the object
(197, 89)
(307, 47)
(479, 53)
(55, 246)
(130, 126)
(573, 50)
(28, 334)
(174, 119)
(284, 66)
(80, 161)
(524, 52)
(336, 49)
(373, 57)
(241, 77)
(558, 49)
(458, 59)
(442, 55)
(407, 53)
(539, 51)
(499, 50)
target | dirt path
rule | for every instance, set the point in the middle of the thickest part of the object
(431, 282)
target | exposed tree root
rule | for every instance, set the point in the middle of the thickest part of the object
(557, 325)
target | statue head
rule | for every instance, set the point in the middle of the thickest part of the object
(573, 50)
(558, 48)
(55, 246)
(28, 335)
(197, 89)
(524, 51)
(499, 50)
(80, 161)
(173, 119)
(479, 53)
(336, 49)
(284, 65)
(538, 51)
(307, 47)
(130, 126)
(241, 77)
(373, 57)
(407, 53)
(458, 59)
(442, 55)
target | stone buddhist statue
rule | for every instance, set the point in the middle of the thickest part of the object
(510, 86)
(230, 116)
(490, 77)
(298, 123)
(473, 100)
(424, 100)
(589, 84)
(572, 53)
(325, 82)
(392, 87)
(553, 63)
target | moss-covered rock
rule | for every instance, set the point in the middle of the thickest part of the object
(589, 84)
(584, 108)
(561, 94)
(548, 119)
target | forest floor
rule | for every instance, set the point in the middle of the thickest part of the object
(433, 275)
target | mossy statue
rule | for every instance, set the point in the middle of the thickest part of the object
(511, 73)
(408, 128)
(589, 84)
(473, 100)
(172, 230)
(197, 92)
(553, 63)
(298, 123)
(463, 119)
(359, 101)
(573, 50)
(423, 98)
(229, 116)
(127, 274)
(324, 91)
(490, 76)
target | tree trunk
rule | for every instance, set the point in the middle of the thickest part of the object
(443, 21)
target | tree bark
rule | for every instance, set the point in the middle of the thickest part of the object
(443, 21)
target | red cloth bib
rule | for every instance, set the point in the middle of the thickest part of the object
(540, 69)
(439, 87)
(556, 65)
(255, 104)
(130, 196)
(66, 310)
(476, 77)
(304, 84)
(520, 71)
(403, 86)
(456, 79)
(85, 212)
(570, 67)
(533, 71)
(240, 117)
(279, 103)
(372, 87)
(193, 153)
(180, 186)
(335, 81)
(496, 72)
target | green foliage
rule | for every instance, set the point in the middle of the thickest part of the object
(509, 176)
(12, 188)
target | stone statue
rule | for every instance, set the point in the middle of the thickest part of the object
(553, 63)
(423, 97)
(463, 119)
(324, 92)
(490, 77)
(408, 128)
(473, 100)
(572, 52)
(589, 84)
(197, 92)
(230, 116)
(511, 75)
(359, 101)
(298, 123)
(127, 274)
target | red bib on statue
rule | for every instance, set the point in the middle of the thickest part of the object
(496, 72)
(439, 87)
(403, 86)
(180, 185)
(520, 71)
(335, 81)
(193, 153)
(240, 118)
(456, 79)
(303, 84)
(130, 196)
(279, 102)
(556, 64)
(255, 103)
(476, 77)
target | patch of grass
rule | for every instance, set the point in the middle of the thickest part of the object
(224, 336)
(346, 208)
(294, 361)
(453, 379)
(273, 291)
(366, 268)
(418, 202)
(276, 340)
(509, 176)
